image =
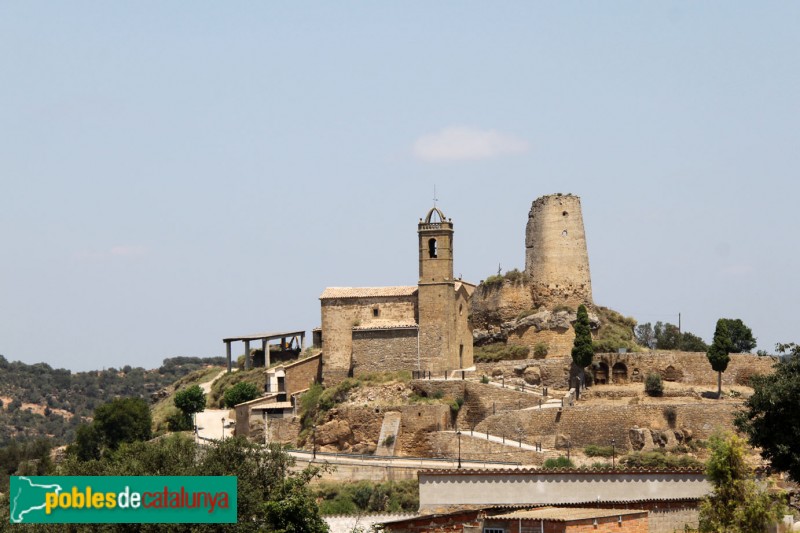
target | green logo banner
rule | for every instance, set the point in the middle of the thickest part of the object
(121, 499)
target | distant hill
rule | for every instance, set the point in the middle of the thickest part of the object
(41, 401)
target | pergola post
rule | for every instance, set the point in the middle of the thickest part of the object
(302, 342)
(265, 349)
(247, 354)
(228, 353)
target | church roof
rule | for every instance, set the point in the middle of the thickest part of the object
(385, 325)
(367, 292)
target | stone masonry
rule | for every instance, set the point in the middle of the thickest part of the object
(556, 259)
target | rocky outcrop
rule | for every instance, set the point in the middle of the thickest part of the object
(540, 320)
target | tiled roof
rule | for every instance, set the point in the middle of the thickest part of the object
(380, 324)
(559, 514)
(367, 292)
(557, 471)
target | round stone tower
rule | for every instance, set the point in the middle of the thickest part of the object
(556, 259)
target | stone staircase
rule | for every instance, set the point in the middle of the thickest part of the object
(388, 436)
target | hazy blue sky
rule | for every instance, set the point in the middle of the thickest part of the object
(172, 173)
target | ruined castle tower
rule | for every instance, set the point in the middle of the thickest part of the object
(556, 259)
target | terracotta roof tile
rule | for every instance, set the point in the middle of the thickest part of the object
(560, 514)
(386, 325)
(367, 292)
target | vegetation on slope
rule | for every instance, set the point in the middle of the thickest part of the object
(39, 400)
(364, 497)
(616, 331)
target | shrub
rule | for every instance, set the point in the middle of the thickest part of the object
(500, 352)
(671, 415)
(601, 466)
(594, 450)
(659, 459)
(388, 441)
(653, 385)
(559, 462)
(178, 420)
(484, 380)
(455, 406)
(239, 393)
(541, 349)
(438, 394)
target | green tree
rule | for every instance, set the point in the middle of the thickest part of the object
(718, 352)
(120, 420)
(667, 336)
(692, 343)
(742, 340)
(582, 350)
(645, 336)
(771, 418)
(241, 392)
(738, 504)
(271, 496)
(190, 400)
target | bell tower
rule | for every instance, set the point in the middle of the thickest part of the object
(435, 248)
(436, 294)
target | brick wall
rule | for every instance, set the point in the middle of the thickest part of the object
(384, 350)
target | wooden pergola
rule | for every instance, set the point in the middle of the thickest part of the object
(297, 339)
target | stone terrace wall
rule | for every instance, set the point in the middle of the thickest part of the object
(598, 424)
(480, 400)
(474, 448)
(689, 367)
(555, 372)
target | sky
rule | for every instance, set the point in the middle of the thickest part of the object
(174, 173)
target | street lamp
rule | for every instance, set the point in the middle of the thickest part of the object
(458, 434)
(264, 417)
(613, 454)
(314, 437)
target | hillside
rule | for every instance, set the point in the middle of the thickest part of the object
(41, 401)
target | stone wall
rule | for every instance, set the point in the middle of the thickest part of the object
(474, 448)
(384, 350)
(340, 315)
(690, 368)
(416, 423)
(554, 372)
(479, 400)
(598, 424)
(302, 374)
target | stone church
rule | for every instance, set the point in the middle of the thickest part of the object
(423, 327)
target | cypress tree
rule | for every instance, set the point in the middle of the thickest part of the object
(718, 352)
(582, 350)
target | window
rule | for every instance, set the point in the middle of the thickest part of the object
(432, 248)
(493, 530)
(375, 312)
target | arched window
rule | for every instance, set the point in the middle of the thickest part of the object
(432, 248)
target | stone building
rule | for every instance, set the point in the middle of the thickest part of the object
(423, 327)
(556, 259)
